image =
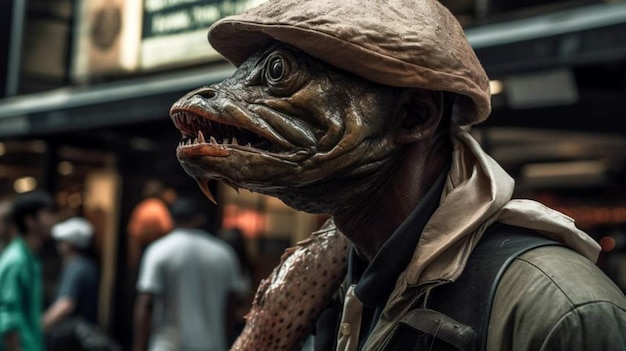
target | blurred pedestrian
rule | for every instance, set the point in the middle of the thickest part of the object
(70, 322)
(77, 293)
(186, 287)
(20, 273)
(6, 225)
(149, 221)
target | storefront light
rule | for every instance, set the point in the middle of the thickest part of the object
(250, 222)
(608, 243)
(38, 146)
(65, 168)
(496, 86)
(24, 184)
(141, 144)
(75, 200)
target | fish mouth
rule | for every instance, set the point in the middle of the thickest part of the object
(207, 134)
(208, 138)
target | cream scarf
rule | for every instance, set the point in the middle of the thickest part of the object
(478, 193)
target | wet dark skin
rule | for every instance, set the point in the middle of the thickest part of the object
(320, 139)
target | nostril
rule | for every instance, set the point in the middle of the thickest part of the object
(207, 93)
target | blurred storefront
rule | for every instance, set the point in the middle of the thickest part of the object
(87, 86)
(85, 116)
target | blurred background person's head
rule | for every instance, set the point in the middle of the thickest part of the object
(186, 213)
(73, 236)
(34, 214)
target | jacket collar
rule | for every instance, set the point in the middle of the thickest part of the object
(478, 193)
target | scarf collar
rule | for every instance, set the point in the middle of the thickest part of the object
(478, 193)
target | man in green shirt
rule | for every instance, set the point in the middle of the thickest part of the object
(20, 273)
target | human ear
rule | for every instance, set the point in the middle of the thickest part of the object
(419, 113)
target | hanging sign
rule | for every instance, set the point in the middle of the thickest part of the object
(107, 37)
(174, 31)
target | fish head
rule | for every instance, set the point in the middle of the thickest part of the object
(290, 126)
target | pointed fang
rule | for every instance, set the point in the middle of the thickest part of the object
(204, 186)
(201, 137)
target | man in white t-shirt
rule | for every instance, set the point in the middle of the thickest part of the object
(185, 288)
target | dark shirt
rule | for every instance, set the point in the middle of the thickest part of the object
(79, 282)
(375, 280)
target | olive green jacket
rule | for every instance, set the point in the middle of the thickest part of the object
(552, 298)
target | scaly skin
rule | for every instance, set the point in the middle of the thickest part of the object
(289, 301)
(318, 139)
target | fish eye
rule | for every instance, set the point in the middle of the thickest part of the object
(283, 71)
(276, 68)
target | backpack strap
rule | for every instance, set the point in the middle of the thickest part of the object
(469, 299)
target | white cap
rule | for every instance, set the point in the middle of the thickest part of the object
(77, 231)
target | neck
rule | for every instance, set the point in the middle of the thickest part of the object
(33, 241)
(374, 219)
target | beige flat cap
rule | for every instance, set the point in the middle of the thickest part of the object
(404, 43)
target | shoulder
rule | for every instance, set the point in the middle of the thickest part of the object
(212, 241)
(12, 259)
(164, 243)
(82, 265)
(224, 247)
(10, 267)
(546, 287)
(572, 276)
(160, 249)
(222, 251)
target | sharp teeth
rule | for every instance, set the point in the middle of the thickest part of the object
(249, 145)
(201, 137)
(213, 141)
(235, 142)
(189, 141)
(226, 141)
(195, 141)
